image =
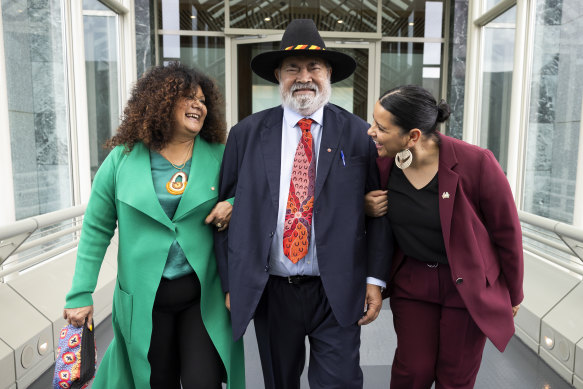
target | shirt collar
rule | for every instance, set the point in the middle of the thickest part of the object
(291, 117)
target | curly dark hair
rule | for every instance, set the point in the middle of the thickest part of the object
(148, 115)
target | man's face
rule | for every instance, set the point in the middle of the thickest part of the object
(304, 83)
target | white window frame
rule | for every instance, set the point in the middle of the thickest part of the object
(520, 98)
(7, 210)
(78, 97)
(74, 53)
(477, 21)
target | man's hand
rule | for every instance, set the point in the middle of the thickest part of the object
(228, 301)
(374, 302)
(220, 215)
(376, 203)
(76, 316)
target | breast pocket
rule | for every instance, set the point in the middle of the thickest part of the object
(351, 162)
(351, 173)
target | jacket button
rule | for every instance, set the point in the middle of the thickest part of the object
(271, 233)
(459, 281)
(266, 267)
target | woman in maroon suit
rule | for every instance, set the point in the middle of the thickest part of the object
(457, 275)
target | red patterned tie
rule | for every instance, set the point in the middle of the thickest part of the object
(298, 214)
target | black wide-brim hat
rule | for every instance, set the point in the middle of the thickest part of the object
(301, 38)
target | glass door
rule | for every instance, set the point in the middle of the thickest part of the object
(253, 94)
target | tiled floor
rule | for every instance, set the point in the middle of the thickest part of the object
(517, 368)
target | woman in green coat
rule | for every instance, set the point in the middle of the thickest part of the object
(159, 185)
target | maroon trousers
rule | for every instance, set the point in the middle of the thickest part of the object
(437, 339)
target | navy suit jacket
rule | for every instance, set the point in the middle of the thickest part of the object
(350, 247)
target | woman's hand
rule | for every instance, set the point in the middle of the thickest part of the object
(228, 301)
(515, 310)
(220, 215)
(76, 316)
(376, 203)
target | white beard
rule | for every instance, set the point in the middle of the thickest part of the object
(303, 104)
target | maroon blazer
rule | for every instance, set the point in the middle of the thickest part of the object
(481, 232)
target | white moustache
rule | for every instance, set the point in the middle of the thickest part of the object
(304, 85)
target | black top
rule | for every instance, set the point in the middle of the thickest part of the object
(414, 216)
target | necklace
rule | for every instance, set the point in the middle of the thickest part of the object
(173, 186)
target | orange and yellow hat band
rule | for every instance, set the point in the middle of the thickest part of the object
(304, 47)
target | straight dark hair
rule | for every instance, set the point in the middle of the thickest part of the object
(412, 107)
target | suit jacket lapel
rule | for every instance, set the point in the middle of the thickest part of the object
(135, 187)
(448, 180)
(270, 137)
(202, 179)
(332, 130)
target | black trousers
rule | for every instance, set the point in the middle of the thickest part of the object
(181, 350)
(286, 314)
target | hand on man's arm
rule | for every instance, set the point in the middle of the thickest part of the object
(220, 215)
(376, 203)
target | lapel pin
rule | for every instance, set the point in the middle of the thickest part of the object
(212, 188)
(445, 195)
(329, 150)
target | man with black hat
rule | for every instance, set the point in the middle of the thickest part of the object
(299, 255)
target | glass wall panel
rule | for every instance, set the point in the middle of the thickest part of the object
(487, 4)
(554, 123)
(329, 15)
(206, 53)
(37, 106)
(412, 18)
(254, 93)
(191, 15)
(94, 5)
(352, 92)
(102, 72)
(405, 63)
(497, 65)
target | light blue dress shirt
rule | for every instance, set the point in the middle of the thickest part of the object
(279, 264)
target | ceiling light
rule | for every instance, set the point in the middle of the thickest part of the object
(193, 16)
(411, 23)
(340, 21)
(267, 19)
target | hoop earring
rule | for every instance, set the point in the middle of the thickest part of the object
(403, 159)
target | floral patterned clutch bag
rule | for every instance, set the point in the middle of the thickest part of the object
(76, 359)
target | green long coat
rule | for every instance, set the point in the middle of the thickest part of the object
(123, 192)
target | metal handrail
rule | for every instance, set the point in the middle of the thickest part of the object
(563, 231)
(33, 223)
(14, 236)
(558, 228)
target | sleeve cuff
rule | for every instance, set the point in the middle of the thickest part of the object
(376, 281)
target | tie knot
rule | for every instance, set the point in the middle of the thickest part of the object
(305, 124)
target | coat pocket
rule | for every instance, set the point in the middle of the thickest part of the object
(492, 274)
(124, 306)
